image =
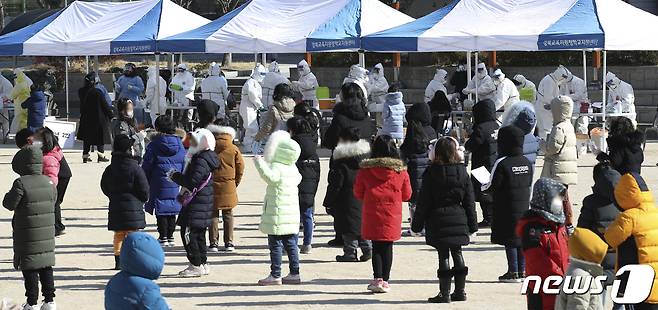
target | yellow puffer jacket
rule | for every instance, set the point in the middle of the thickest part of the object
(635, 231)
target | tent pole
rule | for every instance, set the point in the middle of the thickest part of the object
(585, 67)
(605, 96)
(469, 69)
(362, 59)
(255, 59)
(157, 84)
(66, 70)
(477, 82)
(87, 64)
(264, 59)
(96, 65)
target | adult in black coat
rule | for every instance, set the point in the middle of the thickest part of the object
(414, 153)
(510, 186)
(624, 147)
(482, 145)
(440, 109)
(352, 111)
(599, 209)
(446, 209)
(95, 116)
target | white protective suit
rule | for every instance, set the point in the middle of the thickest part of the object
(182, 86)
(620, 92)
(548, 89)
(5, 94)
(251, 102)
(506, 93)
(215, 88)
(307, 84)
(436, 84)
(575, 88)
(527, 89)
(359, 76)
(485, 88)
(157, 102)
(377, 87)
(271, 80)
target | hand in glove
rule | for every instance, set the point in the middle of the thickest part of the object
(262, 109)
(467, 91)
(176, 87)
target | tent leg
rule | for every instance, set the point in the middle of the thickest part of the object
(605, 96)
(87, 64)
(397, 62)
(362, 59)
(585, 67)
(66, 70)
(157, 86)
(477, 84)
(96, 65)
(469, 69)
(255, 59)
(264, 59)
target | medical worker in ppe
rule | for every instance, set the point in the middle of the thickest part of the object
(548, 89)
(377, 87)
(251, 102)
(506, 93)
(527, 89)
(271, 80)
(436, 84)
(485, 86)
(575, 88)
(620, 93)
(307, 85)
(5, 93)
(155, 94)
(20, 92)
(215, 88)
(359, 76)
(182, 89)
(131, 86)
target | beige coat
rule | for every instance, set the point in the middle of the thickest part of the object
(231, 167)
(561, 160)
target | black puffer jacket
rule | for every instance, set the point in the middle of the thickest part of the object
(198, 214)
(625, 152)
(599, 209)
(445, 207)
(421, 112)
(510, 187)
(414, 147)
(308, 165)
(347, 115)
(482, 142)
(340, 200)
(125, 184)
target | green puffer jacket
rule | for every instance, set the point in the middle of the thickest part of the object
(32, 198)
(277, 167)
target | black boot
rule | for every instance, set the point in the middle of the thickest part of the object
(348, 256)
(460, 284)
(117, 263)
(445, 279)
(367, 254)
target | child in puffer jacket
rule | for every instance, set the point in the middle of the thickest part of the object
(52, 153)
(544, 239)
(280, 217)
(142, 260)
(393, 115)
(586, 250)
(308, 165)
(165, 152)
(382, 184)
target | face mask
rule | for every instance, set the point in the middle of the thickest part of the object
(130, 114)
(556, 205)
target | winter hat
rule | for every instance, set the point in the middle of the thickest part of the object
(122, 144)
(543, 193)
(587, 246)
(420, 111)
(142, 256)
(510, 141)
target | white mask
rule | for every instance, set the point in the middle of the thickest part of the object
(556, 205)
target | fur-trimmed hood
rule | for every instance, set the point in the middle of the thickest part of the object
(224, 136)
(281, 148)
(384, 162)
(352, 149)
(219, 130)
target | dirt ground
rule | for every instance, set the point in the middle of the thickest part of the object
(84, 256)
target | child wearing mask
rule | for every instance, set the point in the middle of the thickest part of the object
(125, 124)
(382, 184)
(32, 199)
(340, 200)
(125, 184)
(308, 165)
(165, 152)
(446, 210)
(280, 216)
(196, 213)
(544, 239)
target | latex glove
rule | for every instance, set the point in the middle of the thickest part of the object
(262, 109)
(467, 91)
(176, 87)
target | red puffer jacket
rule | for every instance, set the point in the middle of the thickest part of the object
(382, 184)
(545, 249)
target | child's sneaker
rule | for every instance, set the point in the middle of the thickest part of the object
(229, 247)
(386, 287)
(270, 280)
(292, 279)
(192, 271)
(306, 249)
(171, 242)
(509, 277)
(49, 306)
(163, 242)
(28, 307)
(376, 286)
(206, 269)
(213, 248)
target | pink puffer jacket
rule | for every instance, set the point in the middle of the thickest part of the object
(51, 163)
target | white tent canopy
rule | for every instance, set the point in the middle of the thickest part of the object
(523, 25)
(101, 28)
(289, 26)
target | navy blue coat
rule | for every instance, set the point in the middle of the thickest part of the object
(142, 260)
(36, 110)
(164, 153)
(198, 214)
